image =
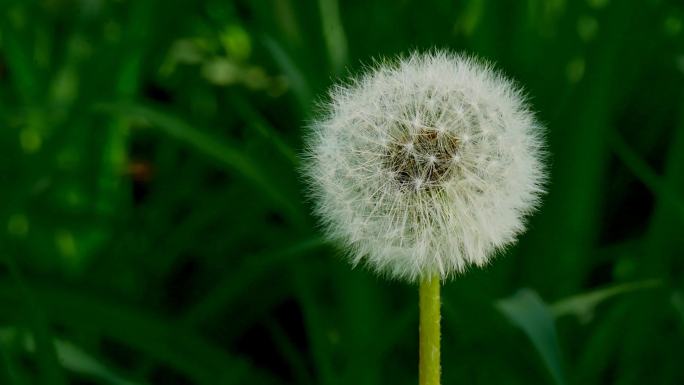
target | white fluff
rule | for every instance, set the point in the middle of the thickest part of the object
(425, 165)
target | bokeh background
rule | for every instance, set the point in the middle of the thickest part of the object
(153, 228)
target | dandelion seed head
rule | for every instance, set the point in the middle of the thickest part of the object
(425, 165)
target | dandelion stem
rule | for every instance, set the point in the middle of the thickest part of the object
(429, 365)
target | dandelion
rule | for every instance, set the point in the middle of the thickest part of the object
(424, 166)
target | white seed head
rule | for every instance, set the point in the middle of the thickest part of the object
(425, 165)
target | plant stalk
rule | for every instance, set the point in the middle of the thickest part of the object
(429, 343)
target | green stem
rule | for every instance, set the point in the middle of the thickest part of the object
(428, 363)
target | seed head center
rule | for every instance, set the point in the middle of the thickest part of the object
(423, 159)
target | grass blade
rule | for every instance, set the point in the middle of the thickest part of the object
(662, 236)
(72, 357)
(644, 172)
(50, 368)
(289, 351)
(315, 322)
(333, 32)
(19, 60)
(228, 154)
(79, 361)
(297, 80)
(255, 269)
(165, 341)
(250, 115)
(527, 310)
(9, 371)
(678, 303)
(583, 305)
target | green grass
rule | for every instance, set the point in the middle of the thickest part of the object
(154, 228)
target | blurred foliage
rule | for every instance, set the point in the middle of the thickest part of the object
(153, 228)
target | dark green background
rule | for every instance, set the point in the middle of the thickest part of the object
(153, 228)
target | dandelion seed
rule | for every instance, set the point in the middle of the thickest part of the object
(438, 190)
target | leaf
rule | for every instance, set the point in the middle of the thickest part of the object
(583, 305)
(537, 319)
(527, 310)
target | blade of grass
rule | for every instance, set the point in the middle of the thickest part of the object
(160, 338)
(663, 239)
(583, 305)
(576, 186)
(527, 310)
(333, 33)
(400, 327)
(24, 74)
(250, 115)
(256, 268)
(81, 362)
(130, 55)
(72, 357)
(220, 150)
(9, 371)
(678, 302)
(284, 13)
(181, 236)
(290, 352)
(314, 322)
(297, 80)
(601, 346)
(50, 368)
(358, 316)
(644, 172)
(176, 128)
